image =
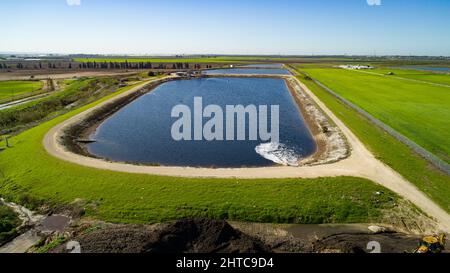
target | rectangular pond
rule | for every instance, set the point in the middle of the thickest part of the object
(140, 132)
(248, 71)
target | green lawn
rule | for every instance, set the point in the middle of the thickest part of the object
(9, 89)
(419, 111)
(30, 176)
(392, 152)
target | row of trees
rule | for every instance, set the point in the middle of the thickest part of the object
(138, 65)
(102, 65)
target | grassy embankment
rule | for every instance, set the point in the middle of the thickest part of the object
(386, 148)
(11, 89)
(30, 176)
(222, 59)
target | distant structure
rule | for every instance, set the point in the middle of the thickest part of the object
(356, 67)
(181, 74)
(186, 74)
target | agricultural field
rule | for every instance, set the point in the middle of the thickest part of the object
(21, 115)
(418, 110)
(389, 150)
(10, 89)
(181, 60)
(438, 78)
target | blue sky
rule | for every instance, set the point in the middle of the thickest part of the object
(418, 27)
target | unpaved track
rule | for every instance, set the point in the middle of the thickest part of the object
(361, 163)
(22, 243)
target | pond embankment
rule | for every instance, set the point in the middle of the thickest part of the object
(330, 144)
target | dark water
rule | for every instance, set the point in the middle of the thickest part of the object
(141, 131)
(427, 68)
(256, 71)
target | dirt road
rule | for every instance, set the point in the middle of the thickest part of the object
(43, 75)
(361, 163)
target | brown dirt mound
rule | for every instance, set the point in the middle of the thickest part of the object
(358, 243)
(185, 236)
(204, 236)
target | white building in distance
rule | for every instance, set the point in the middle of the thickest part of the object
(355, 67)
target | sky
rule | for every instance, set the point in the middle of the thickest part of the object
(250, 27)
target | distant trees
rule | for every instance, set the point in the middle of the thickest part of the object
(115, 65)
(104, 65)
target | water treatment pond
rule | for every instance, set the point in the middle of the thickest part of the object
(141, 131)
(250, 71)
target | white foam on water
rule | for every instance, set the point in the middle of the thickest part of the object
(278, 153)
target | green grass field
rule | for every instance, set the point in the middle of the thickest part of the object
(389, 150)
(30, 176)
(9, 89)
(420, 111)
(223, 59)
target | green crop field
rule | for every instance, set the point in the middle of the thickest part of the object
(10, 89)
(30, 176)
(439, 78)
(420, 111)
(386, 148)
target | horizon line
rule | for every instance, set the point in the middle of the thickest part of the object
(213, 54)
